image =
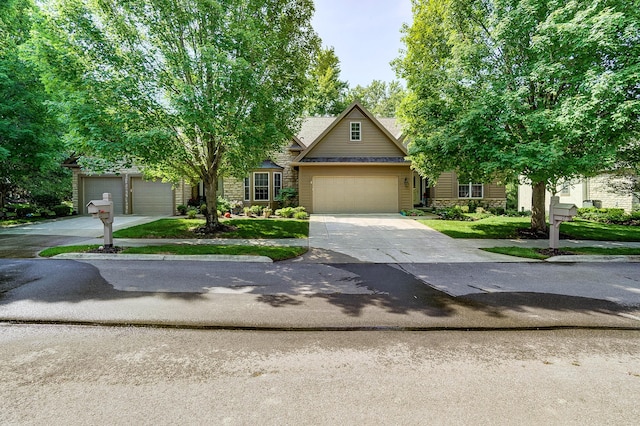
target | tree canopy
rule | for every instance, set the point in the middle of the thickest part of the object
(326, 93)
(544, 89)
(30, 149)
(379, 97)
(182, 88)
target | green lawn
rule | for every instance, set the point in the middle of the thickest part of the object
(533, 253)
(245, 228)
(275, 253)
(500, 227)
(497, 227)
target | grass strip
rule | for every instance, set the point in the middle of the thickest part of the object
(274, 252)
(500, 227)
(534, 253)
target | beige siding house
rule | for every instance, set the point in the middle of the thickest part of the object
(353, 163)
(587, 192)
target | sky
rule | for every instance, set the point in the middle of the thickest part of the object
(365, 35)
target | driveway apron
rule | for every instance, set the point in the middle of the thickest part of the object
(391, 238)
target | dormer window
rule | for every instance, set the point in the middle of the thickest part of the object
(355, 131)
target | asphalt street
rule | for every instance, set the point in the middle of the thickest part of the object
(318, 296)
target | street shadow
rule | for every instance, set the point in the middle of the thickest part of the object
(501, 302)
(394, 291)
(54, 281)
(279, 300)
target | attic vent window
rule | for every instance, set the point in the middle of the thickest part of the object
(355, 131)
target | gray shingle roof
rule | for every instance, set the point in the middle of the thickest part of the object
(354, 160)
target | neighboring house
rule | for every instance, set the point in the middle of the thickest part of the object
(587, 192)
(353, 163)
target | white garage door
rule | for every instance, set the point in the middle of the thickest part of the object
(151, 197)
(94, 187)
(355, 194)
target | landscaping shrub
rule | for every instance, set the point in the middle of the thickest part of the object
(224, 205)
(301, 215)
(285, 212)
(191, 213)
(497, 211)
(22, 210)
(256, 209)
(203, 209)
(182, 209)
(61, 210)
(287, 197)
(608, 215)
(412, 212)
(452, 213)
(46, 200)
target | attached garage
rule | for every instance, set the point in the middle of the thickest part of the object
(92, 188)
(355, 194)
(151, 197)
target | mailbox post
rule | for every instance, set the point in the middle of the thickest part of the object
(558, 213)
(103, 210)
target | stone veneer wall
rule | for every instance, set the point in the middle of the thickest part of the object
(234, 188)
(483, 202)
(599, 189)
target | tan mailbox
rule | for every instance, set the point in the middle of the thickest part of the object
(558, 213)
(103, 210)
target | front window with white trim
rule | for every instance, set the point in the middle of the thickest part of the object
(470, 190)
(355, 131)
(261, 186)
(247, 189)
(277, 184)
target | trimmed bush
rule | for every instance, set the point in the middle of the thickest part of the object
(452, 213)
(182, 209)
(256, 209)
(224, 205)
(46, 200)
(301, 215)
(191, 213)
(285, 212)
(61, 210)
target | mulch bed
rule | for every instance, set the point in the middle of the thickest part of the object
(106, 250)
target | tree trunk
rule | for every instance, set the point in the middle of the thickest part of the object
(210, 191)
(538, 218)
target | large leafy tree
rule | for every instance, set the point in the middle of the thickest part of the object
(379, 97)
(30, 150)
(326, 93)
(183, 88)
(544, 89)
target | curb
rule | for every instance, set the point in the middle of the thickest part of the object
(195, 257)
(586, 258)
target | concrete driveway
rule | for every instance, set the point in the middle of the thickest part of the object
(392, 238)
(27, 240)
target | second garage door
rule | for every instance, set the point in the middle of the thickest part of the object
(355, 194)
(151, 197)
(94, 187)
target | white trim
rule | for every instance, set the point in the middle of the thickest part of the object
(246, 189)
(262, 186)
(351, 131)
(470, 186)
(275, 192)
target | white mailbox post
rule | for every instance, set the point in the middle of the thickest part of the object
(103, 210)
(558, 213)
